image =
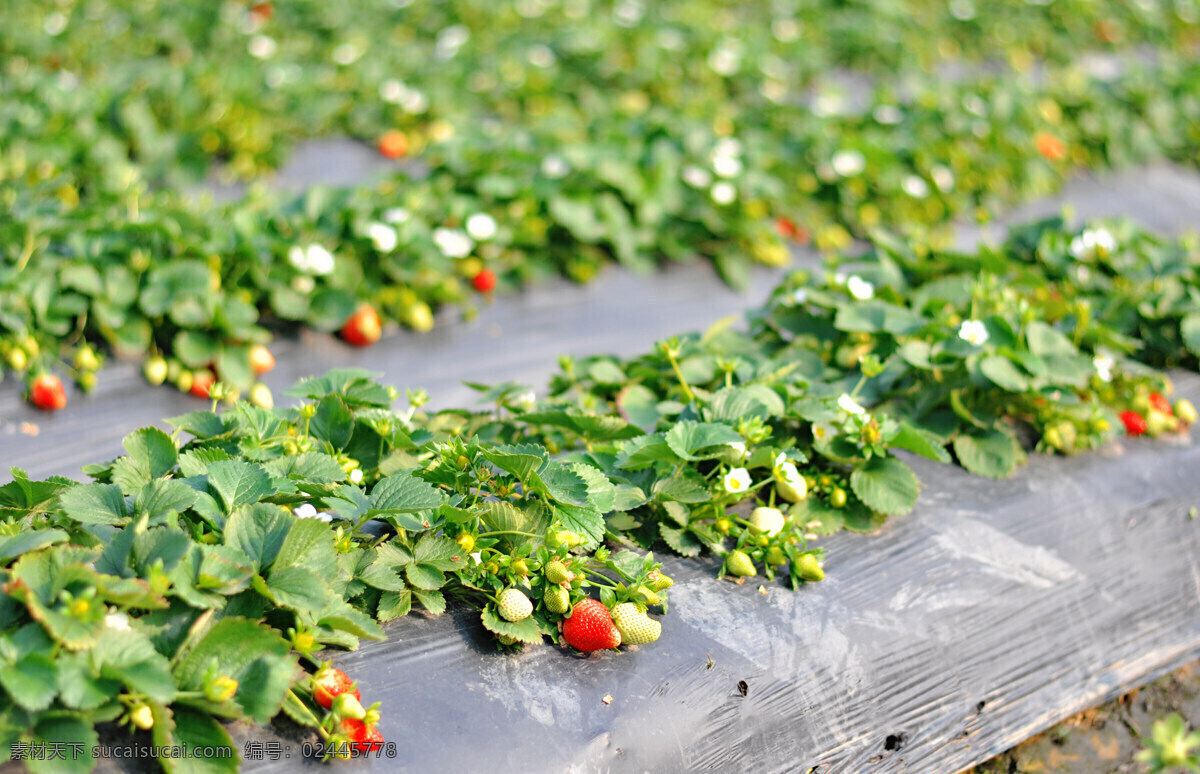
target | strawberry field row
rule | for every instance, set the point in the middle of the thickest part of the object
(645, 134)
(193, 578)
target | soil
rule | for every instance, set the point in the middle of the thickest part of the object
(1105, 739)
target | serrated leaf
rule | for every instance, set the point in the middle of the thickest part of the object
(203, 740)
(601, 494)
(95, 504)
(393, 605)
(642, 452)
(424, 576)
(886, 485)
(523, 631)
(992, 453)
(195, 462)
(680, 489)
(688, 438)
(919, 441)
(31, 682)
(637, 405)
(440, 552)
(65, 731)
(404, 493)
(433, 601)
(152, 454)
(586, 522)
(520, 461)
(333, 422)
(314, 467)
(259, 532)
(308, 544)
(561, 484)
(12, 546)
(163, 496)
(299, 589)
(681, 540)
(238, 482)
(1004, 373)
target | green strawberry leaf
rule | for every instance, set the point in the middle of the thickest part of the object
(992, 453)
(886, 485)
(523, 631)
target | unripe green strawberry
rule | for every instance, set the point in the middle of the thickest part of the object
(557, 572)
(767, 520)
(775, 556)
(155, 370)
(1158, 423)
(808, 569)
(635, 626)
(740, 564)
(519, 568)
(1185, 411)
(660, 580)
(837, 498)
(648, 595)
(514, 605)
(557, 599)
(142, 717)
(504, 639)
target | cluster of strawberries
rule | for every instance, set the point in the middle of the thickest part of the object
(350, 726)
(1154, 415)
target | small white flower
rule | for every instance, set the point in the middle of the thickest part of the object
(383, 236)
(739, 449)
(527, 400)
(1104, 366)
(848, 163)
(724, 61)
(823, 430)
(450, 40)
(481, 226)
(723, 193)
(356, 476)
(298, 258)
(800, 296)
(118, 622)
(261, 47)
(304, 511)
(860, 288)
(396, 215)
(727, 146)
(737, 480)
(1092, 243)
(346, 54)
(851, 406)
(727, 166)
(320, 260)
(555, 167)
(392, 91)
(452, 242)
(478, 557)
(303, 284)
(415, 102)
(915, 187)
(780, 460)
(973, 331)
(696, 177)
(943, 178)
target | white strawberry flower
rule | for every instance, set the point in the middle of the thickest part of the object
(851, 406)
(823, 430)
(800, 296)
(915, 186)
(555, 167)
(452, 242)
(860, 288)
(308, 511)
(727, 166)
(739, 449)
(262, 47)
(527, 400)
(311, 259)
(392, 91)
(974, 332)
(788, 473)
(1093, 242)
(481, 226)
(1104, 366)
(737, 480)
(727, 146)
(118, 622)
(848, 163)
(723, 193)
(383, 236)
(356, 476)
(396, 215)
(696, 177)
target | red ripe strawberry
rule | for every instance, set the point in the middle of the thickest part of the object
(363, 739)
(329, 683)
(591, 627)
(1159, 403)
(484, 281)
(785, 227)
(47, 393)
(202, 382)
(262, 11)
(1135, 424)
(393, 144)
(261, 359)
(363, 328)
